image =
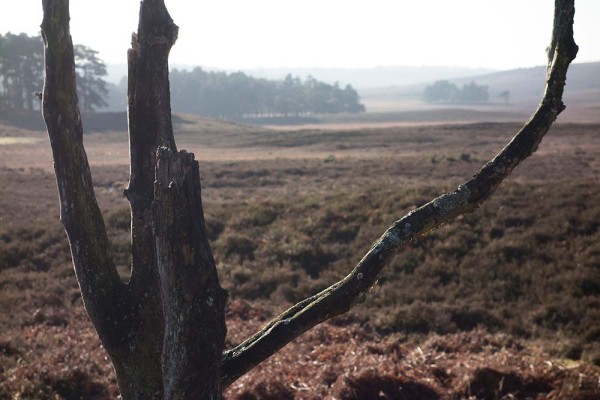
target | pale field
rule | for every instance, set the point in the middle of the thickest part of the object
(246, 166)
(366, 136)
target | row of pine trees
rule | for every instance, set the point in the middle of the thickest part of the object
(22, 74)
(209, 93)
(238, 95)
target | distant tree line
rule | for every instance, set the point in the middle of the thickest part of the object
(216, 94)
(21, 71)
(219, 94)
(22, 74)
(91, 86)
(446, 92)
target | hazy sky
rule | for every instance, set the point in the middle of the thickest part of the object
(500, 34)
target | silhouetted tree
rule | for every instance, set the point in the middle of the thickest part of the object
(290, 96)
(21, 70)
(165, 329)
(22, 73)
(473, 93)
(505, 95)
(237, 95)
(441, 92)
(90, 71)
(446, 92)
(350, 101)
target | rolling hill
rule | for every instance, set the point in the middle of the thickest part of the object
(524, 84)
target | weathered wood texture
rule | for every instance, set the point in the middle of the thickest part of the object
(79, 212)
(154, 357)
(193, 301)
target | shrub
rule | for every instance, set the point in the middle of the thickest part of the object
(238, 245)
(119, 218)
(267, 391)
(491, 384)
(370, 385)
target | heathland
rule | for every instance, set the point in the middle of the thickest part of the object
(501, 303)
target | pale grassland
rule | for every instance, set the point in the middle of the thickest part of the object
(6, 141)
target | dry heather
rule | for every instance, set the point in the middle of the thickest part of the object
(502, 303)
(344, 361)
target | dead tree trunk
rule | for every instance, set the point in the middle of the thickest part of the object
(164, 330)
(160, 349)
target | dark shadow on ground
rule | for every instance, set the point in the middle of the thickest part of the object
(92, 122)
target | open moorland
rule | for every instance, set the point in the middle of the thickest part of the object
(501, 303)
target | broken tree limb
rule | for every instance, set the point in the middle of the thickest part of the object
(193, 300)
(99, 281)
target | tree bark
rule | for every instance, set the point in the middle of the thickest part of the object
(173, 270)
(98, 279)
(164, 330)
(193, 300)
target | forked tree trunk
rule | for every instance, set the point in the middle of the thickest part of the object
(165, 329)
(155, 357)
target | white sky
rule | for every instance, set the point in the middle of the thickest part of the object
(499, 34)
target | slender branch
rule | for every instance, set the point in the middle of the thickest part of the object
(150, 126)
(79, 212)
(341, 296)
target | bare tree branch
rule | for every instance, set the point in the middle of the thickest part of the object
(149, 116)
(341, 296)
(98, 279)
(128, 318)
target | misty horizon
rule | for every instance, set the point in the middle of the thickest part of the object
(239, 35)
(360, 78)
